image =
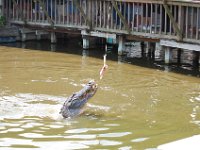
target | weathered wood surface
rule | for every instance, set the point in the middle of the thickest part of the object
(159, 19)
(8, 31)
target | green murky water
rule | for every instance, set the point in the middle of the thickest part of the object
(134, 107)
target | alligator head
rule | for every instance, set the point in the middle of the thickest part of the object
(74, 104)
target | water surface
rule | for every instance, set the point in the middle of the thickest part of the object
(134, 107)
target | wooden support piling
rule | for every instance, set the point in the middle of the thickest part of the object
(168, 54)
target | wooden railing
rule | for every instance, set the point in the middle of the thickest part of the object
(152, 19)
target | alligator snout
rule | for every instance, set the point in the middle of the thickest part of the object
(74, 104)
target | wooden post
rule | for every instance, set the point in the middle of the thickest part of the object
(179, 51)
(38, 35)
(23, 37)
(85, 42)
(196, 59)
(121, 44)
(168, 54)
(53, 38)
(181, 21)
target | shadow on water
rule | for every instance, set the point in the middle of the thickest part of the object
(133, 56)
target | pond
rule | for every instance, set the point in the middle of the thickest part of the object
(135, 107)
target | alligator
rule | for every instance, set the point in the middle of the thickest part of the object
(74, 104)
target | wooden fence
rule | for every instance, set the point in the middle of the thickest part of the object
(159, 19)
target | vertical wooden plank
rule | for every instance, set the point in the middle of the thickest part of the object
(39, 11)
(142, 14)
(21, 10)
(116, 16)
(13, 11)
(129, 14)
(9, 9)
(77, 12)
(161, 12)
(72, 13)
(125, 9)
(192, 23)
(31, 10)
(175, 13)
(91, 11)
(181, 15)
(24, 11)
(56, 12)
(16, 10)
(175, 17)
(156, 18)
(28, 10)
(170, 25)
(151, 24)
(112, 19)
(43, 11)
(107, 15)
(133, 17)
(137, 7)
(80, 16)
(47, 6)
(100, 23)
(96, 13)
(165, 22)
(197, 24)
(5, 8)
(120, 8)
(51, 9)
(85, 8)
(104, 14)
(186, 22)
(67, 11)
(35, 10)
(64, 10)
(146, 19)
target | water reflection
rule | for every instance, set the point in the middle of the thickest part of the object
(195, 115)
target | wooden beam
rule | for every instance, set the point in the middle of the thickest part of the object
(181, 45)
(88, 22)
(121, 16)
(46, 13)
(175, 25)
(141, 38)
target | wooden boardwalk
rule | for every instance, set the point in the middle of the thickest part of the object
(173, 23)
